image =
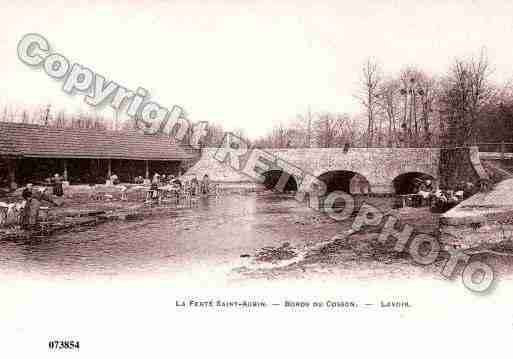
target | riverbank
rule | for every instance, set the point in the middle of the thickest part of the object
(84, 206)
(88, 206)
(235, 237)
(360, 255)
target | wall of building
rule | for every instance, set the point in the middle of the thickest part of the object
(81, 171)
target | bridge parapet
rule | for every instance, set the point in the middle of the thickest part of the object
(379, 166)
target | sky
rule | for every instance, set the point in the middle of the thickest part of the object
(246, 64)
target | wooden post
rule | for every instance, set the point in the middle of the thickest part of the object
(502, 150)
(65, 173)
(11, 168)
(109, 170)
(147, 169)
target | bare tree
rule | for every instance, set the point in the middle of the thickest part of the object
(303, 127)
(389, 97)
(466, 91)
(428, 93)
(369, 94)
(214, 136)
(24, 117)
(281, 136)
(329, 129)
(46, 118)
(60, 119)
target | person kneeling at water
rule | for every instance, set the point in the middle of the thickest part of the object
(33, 201)
(194, 186)
(154, 188)
(57, 185)
(205, 185)
(426, 189)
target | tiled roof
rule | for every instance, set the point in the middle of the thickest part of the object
(26, 140)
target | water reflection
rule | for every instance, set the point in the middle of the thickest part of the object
(211, 233)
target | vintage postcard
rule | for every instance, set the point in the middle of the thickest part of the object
(263, 179)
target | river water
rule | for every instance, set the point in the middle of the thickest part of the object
(213, 241)
(204, 238)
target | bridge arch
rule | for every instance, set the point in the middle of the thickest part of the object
(345, 180)
(380, 166)
(407, 183)
(272, 177)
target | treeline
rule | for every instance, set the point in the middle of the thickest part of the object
(51, 117)
(314, 129)
(47, 116)
(410, 109)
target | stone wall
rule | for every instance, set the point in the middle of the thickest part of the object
(460, 165)
(380, 166)
(217, 171)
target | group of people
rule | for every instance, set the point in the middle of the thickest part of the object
(33, 199)
(114, 179)
(56, 183)
(199, 187)
(444, 199)
(161, 179)
(192, 187)
(161, 183)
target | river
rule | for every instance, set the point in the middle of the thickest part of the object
(212, 234)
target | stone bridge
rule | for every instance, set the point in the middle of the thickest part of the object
(354, 170)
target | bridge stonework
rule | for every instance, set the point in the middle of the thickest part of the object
(380, 166)
(461, 164)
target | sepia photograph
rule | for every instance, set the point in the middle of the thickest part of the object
(261, 179)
